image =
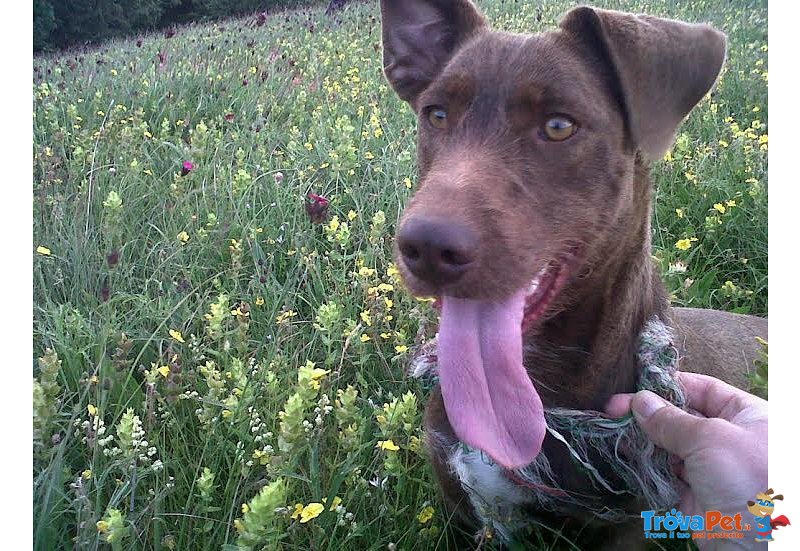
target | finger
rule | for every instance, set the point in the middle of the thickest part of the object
(619, 405)
(714, 398)
(668, 426)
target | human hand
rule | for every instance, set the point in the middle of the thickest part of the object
(724, 453)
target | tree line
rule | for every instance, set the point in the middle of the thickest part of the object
(61, 23)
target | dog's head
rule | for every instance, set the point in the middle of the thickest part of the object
(526, 152)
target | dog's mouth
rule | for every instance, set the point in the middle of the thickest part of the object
(488, 395)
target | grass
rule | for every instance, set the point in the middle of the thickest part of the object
(176, 310)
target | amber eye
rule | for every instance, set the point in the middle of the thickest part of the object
(558, 129)
(437, 117)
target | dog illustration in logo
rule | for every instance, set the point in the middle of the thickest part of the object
(762, 509)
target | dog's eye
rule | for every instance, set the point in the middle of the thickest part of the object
(558, 129)
(437, 117)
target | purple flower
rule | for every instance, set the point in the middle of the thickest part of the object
(317, 208)
(186, 168)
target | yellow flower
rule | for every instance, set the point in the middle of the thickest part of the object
(102, 526)
(389, 303)
(680, 213)
(226, 413)
(364, 337)
(385, 287)
(183, 237)
(387, 445)
(425, 515)
(401, 348)
(43, 250)
(311, 511)
(407, 182)
(392, 270)
(259, 301)
(730, 203)
(239, 525)
(386, 336)
(87, 474)
(365, 317)
(366, 272)
(723, 143)
(245, 508)
(92, 410)
(719, 207)
(284, 317)
(298, 508)
(685, 244)
(176, 335)
(164, 371)
(334, 504)
(352, 215)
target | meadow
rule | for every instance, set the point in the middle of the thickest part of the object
(220, 334)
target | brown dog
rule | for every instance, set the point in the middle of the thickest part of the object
(532, 223)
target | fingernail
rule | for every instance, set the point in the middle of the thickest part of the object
(645, 403)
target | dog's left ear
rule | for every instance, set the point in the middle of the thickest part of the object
(663, 68)
(420, 37)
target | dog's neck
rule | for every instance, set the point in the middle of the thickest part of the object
(587, 352)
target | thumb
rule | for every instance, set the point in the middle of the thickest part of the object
(668, 426)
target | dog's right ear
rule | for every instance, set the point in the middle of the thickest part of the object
(419, 38)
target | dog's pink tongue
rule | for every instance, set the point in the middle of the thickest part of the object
(489, 398)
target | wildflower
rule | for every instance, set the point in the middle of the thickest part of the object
(164, 371)
(259, 301)
(284, 317)
(401, 348)
(278, 177)
(44, 251)
(365, 317)
(112, 526)
(407, 182)
(680, 213)
(257, 527)
(113, 202)
(365, 337)
(87, 474)
(186, 167)
(685, 244)
(730, 203)
(92, 409)
(205, 483)
(183, 237)
(425, 515)
(113, 258)
(719, 207)
(352, 215)
(298, 508)
(311, 511)
(317, 208)
(334, 503)
(176, 335)
(387, 445)
(229, 117)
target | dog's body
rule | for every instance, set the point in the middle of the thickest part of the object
(532, 223)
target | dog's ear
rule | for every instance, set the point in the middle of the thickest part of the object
(663, 68)
(420, 36)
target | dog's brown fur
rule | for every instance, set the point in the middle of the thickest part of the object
(627, 82)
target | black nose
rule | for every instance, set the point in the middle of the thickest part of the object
(436, 250)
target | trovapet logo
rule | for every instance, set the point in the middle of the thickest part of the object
(710, 525)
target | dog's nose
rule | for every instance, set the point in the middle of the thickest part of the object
(436, 250)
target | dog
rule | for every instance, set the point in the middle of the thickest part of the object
(531, 224)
